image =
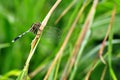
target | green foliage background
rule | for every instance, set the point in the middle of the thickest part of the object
(16, 16)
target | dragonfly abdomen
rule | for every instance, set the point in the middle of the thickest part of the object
(20, 36)
(34, 28)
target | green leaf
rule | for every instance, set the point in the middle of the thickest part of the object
(4, 45)
(23, 75)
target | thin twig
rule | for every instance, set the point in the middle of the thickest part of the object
(37, 39)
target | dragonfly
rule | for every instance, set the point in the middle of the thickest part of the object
(34, 28)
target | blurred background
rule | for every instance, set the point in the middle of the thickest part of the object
(17, 16)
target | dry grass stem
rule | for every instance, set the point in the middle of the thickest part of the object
(59, 54)
(108, 31)
(36, 71)
(88, 74)
(91, 69)
(65, 11)
(101, 49)
(36, 39)
(103, 73)
(79, 41)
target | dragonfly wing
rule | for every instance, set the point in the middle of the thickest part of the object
(52, 32)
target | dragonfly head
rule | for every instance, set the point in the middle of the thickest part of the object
(35, 27)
